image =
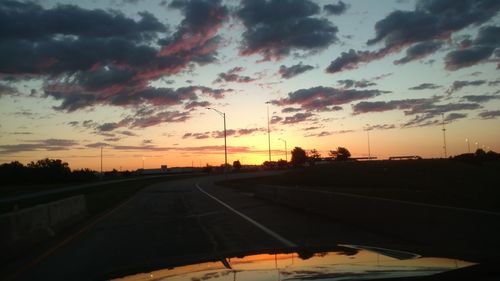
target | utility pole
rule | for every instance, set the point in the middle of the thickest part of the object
(286, 150)
(101, 160)
(369, 152)
(223, 114)
(268, 131)
(444, 137)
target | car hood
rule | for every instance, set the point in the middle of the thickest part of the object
(345, 262)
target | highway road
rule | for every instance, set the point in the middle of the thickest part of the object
(185, 221)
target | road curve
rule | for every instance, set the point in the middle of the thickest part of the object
(187, 221)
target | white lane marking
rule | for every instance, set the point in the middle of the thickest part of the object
(271, 233)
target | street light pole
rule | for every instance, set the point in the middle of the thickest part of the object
(268, 131)
(468, 145)
(225, 136)
(101, 160)
(286, 151)
(444, 138)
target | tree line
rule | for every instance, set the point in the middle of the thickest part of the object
(43, 171)
(300, 157)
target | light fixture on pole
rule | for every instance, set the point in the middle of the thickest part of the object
(225, 143)
(468, 144)
(268, 131)
(286, 150)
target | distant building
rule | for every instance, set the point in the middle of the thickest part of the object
(163, 170)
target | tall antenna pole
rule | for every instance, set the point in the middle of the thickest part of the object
(268, 132)
(444, 137)
(368, 133)
(101, 159)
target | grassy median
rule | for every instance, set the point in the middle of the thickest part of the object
(442, 182)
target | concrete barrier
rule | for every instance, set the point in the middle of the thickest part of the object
(21, 229)
(426, 224)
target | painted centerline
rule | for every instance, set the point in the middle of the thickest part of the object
(268, 231)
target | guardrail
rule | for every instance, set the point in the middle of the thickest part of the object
(21, 229)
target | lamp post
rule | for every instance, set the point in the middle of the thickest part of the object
(286, 151)
(444, 138)
(468, 144)
(368, 137)
(268, 131)
(101, 160)
(225, 143)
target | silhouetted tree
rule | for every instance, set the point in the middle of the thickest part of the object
(314, 154)
(332, 153)
(299, 157)
(282, 163)
(49, 170)
(237, 165)
(342, 154)
(480, 153)
(13, 172)
(50, 164)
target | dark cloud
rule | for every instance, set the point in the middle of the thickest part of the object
(294, 70)
(380, 127)
(430, 21)
(38, 145)
(492, 114)
(30, 21)
(329, 133)
(381, 106)
(454, 116)
(220, 134)
(96, 57)
(197, 136)
(21, 133)
(336, 9)
(297, 118)
(467, 57)
(457, 85)
(420, 50)
(480, 98)
(290, 109)
(273, 28)
(97, 145)
(425, 109)
(311, 128)
(351, 60)
(275, 119)
(233, 76)
(494, 83)
(425, 86)
(195, 104)
(478, 51)
(159, 118)
(325, 98)
(349, 83)
(75, 99)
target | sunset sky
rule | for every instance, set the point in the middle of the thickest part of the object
(136, 76)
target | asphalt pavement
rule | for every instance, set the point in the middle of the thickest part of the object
(187, 221)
